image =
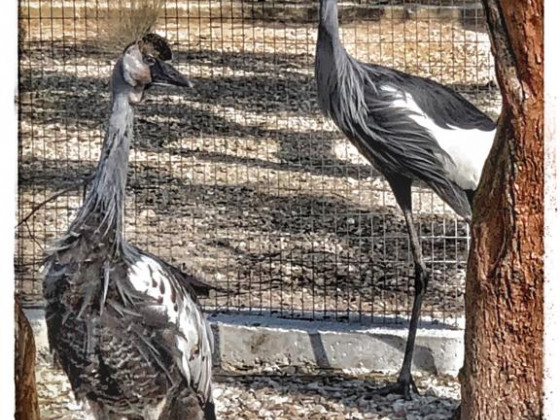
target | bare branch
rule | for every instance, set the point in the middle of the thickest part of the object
(83, 182)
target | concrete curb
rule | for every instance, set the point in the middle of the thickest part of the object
(260, 343)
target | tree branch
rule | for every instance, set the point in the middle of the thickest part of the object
(83, 182)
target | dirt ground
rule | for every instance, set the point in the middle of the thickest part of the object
(241, 178)
(274, 396)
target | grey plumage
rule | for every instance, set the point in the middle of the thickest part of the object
(125, 326)
(409, 128)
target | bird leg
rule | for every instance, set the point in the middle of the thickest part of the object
(402, 190)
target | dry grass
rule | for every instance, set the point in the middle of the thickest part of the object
(128, 21)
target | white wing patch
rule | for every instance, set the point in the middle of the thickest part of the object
(195, 340)
(148, 277)
(467, 148)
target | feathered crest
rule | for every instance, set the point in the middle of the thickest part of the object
(128, 21)
(156, 46)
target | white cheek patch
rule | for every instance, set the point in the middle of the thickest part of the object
(135, 71)
(136, 94)
(467, 148)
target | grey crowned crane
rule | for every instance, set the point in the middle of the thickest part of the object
(124, 325)
(409, 128)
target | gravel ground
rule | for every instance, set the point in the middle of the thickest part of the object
(241, 178)
(288, 396)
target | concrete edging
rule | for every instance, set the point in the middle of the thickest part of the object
(246, 342)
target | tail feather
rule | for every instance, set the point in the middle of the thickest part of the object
(457, 198)
(470, 196)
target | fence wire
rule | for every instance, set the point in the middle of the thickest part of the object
(241, 178)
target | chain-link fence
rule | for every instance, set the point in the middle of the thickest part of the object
(241, 177)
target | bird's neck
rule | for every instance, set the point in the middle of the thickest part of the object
(103, 206)
(328, 21)
(330, 56)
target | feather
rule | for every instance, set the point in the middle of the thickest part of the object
(106, 277)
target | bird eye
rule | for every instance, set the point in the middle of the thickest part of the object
(149, 60)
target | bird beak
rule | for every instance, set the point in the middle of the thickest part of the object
(165, 74)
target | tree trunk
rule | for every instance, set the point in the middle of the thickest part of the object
(502, 375)
(27, 407)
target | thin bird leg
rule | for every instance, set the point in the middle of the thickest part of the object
(420, 283)
(402, 189)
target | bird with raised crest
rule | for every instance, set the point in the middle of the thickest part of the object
(125, 326)
(410, 129)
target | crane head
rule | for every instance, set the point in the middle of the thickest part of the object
(156, 50)
(145, 64)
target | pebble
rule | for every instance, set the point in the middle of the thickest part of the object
(312, 396)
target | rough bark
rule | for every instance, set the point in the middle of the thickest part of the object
(27, 406)
(502, 376)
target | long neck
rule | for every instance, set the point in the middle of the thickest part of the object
(103, 206)
(328, 21)
(329, 56)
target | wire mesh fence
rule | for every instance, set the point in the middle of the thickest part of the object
(241, 178)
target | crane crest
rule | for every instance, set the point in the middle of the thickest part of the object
(156, 46)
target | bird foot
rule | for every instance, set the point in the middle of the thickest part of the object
(404, 387)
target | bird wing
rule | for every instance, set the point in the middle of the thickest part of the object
(193, 280)
(440, 103)
(172, 307)
(460, 129)
(388, 135)
(465, 149)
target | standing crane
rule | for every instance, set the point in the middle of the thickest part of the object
(126, 326)
(409, 128)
